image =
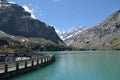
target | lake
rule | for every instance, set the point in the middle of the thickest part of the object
(78, 65)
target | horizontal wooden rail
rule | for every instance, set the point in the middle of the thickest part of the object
(35, 60)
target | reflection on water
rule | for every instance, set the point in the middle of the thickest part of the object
(80, 65)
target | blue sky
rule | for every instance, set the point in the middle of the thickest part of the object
(67, 14)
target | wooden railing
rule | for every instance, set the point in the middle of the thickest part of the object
(35, 60)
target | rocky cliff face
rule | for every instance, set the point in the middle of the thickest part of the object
(99, 36)
(16, 21)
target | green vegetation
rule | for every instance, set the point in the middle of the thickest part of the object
(48, 47)
(8, 45)
(114, 45)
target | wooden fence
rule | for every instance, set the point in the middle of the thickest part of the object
(34, 61)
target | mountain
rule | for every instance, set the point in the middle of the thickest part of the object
(104, 36)
(16, 21)
(21, 44)
(20, 33)
(70, 33)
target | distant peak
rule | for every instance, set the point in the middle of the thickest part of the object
(70, 33)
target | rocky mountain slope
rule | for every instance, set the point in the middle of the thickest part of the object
(20, 44)
(16, 21)
(70, 33)
(106, 35)
(19, 32)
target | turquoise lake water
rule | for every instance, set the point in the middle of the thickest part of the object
(78, 65)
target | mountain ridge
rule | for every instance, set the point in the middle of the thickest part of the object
(16, 21)
(98, 36)
(20, 33)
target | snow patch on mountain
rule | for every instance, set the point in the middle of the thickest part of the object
(30, 11)
(70, 33)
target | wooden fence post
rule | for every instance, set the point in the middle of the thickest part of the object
(17, 66)
(41, 60)
(32, 62)
(37, 61)
(6, 68)
(25, 64)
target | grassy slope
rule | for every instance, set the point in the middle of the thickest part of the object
(8, 45)
(114, 45)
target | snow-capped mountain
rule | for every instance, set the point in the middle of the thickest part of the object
(72, 32)
(104, 36)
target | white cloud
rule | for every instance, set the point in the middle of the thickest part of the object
(12, 2)
(38, 10)
(56, 1)
(36, 7)
(30, 11)
(30, 4)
